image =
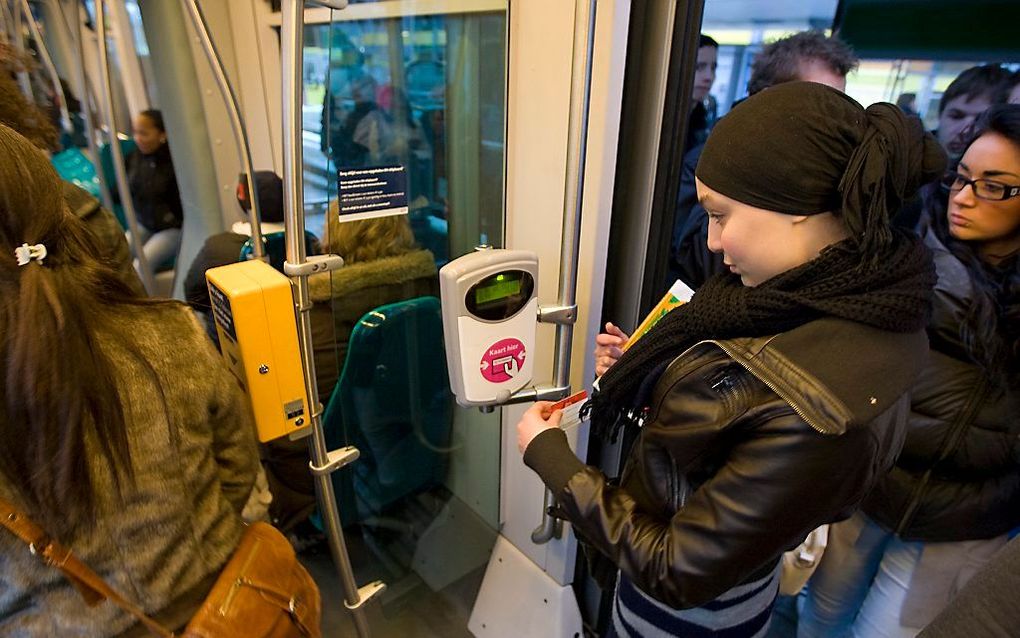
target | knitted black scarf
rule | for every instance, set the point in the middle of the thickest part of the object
(893, 295)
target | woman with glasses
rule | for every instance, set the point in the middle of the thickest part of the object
(954, 493)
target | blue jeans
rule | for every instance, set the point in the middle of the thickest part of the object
(865, 586)
(160, 248)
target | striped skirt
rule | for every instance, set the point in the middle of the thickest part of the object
(742, 612)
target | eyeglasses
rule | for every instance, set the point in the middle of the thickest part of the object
(983, 188)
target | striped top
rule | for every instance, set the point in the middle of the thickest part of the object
(742, 612)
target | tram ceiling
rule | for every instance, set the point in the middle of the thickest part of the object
(931, 29)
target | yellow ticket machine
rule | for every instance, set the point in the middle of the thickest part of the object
(253, 307)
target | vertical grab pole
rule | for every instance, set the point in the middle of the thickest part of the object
(323, 462)
(5, 30)
(88, 97)
(33, 27)
(577, 149)
(194, 10)
(118, 156)
(19, 45)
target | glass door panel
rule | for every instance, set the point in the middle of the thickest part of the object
(426, 92)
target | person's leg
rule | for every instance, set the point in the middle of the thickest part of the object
(144, 234)
(161, 248)
(916, 581)
(881, 613)
(836, 590)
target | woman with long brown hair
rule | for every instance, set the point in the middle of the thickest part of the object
(121, 433)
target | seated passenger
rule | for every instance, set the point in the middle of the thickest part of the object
(773, 401)
(26, 118)
(122, 434)
(154, 193)
(225, 248)
(382, 265)
(954, 493)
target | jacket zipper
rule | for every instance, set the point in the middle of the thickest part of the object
(763, 376)
(952, 441)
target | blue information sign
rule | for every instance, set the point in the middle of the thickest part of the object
(372, 192)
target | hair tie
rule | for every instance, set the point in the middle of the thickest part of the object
(26, 253)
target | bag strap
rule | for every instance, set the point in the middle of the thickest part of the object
(90, 585)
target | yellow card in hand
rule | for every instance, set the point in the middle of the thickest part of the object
(679, 293)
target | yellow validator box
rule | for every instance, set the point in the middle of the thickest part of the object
(253, 307)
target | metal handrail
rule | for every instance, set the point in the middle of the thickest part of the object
(118, 156)
(87, 94)
(292, 42)
(194, 10)
(44, 53)
(577, 150)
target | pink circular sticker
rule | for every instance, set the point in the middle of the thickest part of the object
(503, 360)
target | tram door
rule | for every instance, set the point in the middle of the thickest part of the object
(467, 102)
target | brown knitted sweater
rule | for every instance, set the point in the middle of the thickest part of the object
(194, 464)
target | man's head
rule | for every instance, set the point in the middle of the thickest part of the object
(967, 97)
(270, 190)
(809, 56)
(704, 73)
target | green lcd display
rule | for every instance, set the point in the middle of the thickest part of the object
(498, 290)
(500, 296)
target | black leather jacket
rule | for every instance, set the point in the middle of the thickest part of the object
(748, 446)
(958, 477)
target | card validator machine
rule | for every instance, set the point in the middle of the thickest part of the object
(253, 307)
(490, 310)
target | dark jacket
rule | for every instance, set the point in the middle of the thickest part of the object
(113, 246)
(154, 190)
(342, 297)
(959, 475)
(690, 259)
(748, 446)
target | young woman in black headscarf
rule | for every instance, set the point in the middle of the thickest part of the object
(773, 401)
(953, 497)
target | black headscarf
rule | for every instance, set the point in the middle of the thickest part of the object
(804, 148)
(800, 148)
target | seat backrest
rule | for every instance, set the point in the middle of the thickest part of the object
(127, 146)
(74, 166)
(393, 402)
(276, 248)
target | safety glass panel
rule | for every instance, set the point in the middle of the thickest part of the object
(423, 95)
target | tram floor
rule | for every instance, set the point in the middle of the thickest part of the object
(409, 607)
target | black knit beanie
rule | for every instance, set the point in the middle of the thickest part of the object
(804, 148)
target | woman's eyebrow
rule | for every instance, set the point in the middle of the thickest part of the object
(998, 173)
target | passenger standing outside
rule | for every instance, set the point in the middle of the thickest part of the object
(965, 99)
(809, 56)
(774, 400)
(154, 192)
(122, 433)
(954, 493)
(704, 78)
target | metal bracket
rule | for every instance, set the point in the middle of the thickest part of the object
(538, 393)
(314, 265)
(336, 459)
(561, 315)
(366, 594)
